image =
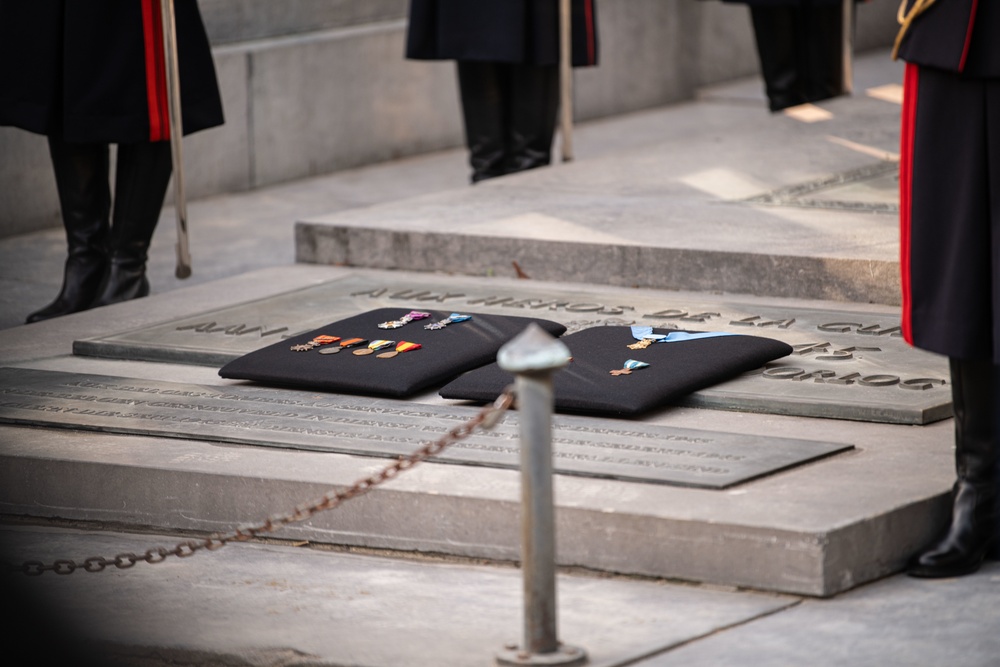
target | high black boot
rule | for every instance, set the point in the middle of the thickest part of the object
(143, 173)
(974, 522)
(483, 88)
(775, 31)
(533, 106)
(81, 172)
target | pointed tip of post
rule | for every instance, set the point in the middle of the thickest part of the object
(533, 350)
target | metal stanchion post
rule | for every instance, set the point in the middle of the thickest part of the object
(533, 356)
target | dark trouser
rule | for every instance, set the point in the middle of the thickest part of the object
(801, 53)
(510, 115)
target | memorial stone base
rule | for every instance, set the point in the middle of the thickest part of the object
(815, 474)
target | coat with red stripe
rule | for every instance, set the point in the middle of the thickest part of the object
(505, 31)
(93, 70)
(955, 35)
(949, 174)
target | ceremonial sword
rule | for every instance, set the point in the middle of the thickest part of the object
(566, 79)
(847, 47)
(183, 269)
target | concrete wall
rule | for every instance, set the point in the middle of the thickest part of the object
(313, 86)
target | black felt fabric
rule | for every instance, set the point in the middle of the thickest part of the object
(444, 354)
(675, 370)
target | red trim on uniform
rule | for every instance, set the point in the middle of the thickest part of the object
(968, 35)
(588, 8)
(156, 80)
(911, 79)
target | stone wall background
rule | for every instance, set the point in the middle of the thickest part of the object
(314, 86)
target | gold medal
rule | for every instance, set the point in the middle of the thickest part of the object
(374, 346)
(402, 346)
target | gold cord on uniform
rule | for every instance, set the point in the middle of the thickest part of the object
(906, 18)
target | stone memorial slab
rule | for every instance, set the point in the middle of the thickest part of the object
(383, 428)
(846, 364)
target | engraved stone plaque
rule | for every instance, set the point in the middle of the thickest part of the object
(384, 428)
(846, 364)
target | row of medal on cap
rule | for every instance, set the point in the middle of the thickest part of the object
(326, 343)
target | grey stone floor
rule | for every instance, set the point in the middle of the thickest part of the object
(293, 604)
(283, 602)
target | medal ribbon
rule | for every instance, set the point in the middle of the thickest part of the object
(404, 320)
(454, 317)
(646, 333)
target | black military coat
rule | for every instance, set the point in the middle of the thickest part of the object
(949, 175)
(508, 31)
(955, 35)
(93, 70)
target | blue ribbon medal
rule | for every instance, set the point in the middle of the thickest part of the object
(629, 366)
(646, 337)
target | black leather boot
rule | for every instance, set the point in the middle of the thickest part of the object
(143, 173)
(775, 30)
(483, 89)
(81, 172)
(974, 522)
(533, 106)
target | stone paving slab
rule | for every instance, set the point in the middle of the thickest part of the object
(388, 429)
(253, 604)
(900, 622)
(278, 604)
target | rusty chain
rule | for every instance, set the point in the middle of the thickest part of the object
(485, 419)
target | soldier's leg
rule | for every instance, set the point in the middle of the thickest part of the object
(483, 90)
(775, 34)
(143, 173)
(821, 40)
(949, 257)
(82, 172)
(534, 105)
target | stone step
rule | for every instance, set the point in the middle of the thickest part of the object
(706, 197)
(818, 527)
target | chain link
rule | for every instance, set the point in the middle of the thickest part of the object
(486, 419)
